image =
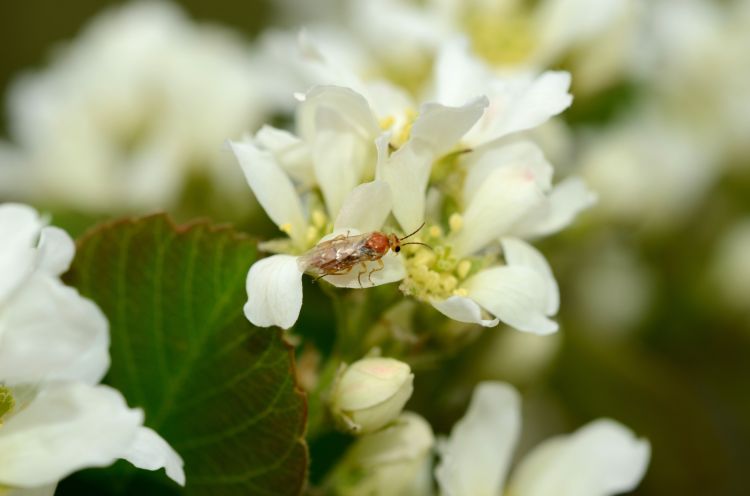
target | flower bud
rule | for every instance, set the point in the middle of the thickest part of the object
(370, 393)
(395, 461)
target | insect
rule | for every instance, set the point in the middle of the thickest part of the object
(341, 254)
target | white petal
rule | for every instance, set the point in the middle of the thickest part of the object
(291, 153)
(602, 458)
(65, 428)
(56, 251)
(476, 457)
(463, 309)
(459, 75)
(506, 195)
(344, 102)
(48, 490)
(481, 164)
(440, 127)
(150, 452)
(564, 203)
(366, 207)
(340, 128)
(50, 332)
(515, 295)
(19, 228)
(564, 23)
(520, 253)
(437, 129)
(274, 292)
(340, 158)
(369, 276)
(520, 104)
(272, 187)
(407, 173)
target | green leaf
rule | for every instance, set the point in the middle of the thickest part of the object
(221, 391)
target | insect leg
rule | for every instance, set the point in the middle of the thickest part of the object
(335, 273)
(359, 276)
(381, 266)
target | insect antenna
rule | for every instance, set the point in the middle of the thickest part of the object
(417, 243)
(412, 234)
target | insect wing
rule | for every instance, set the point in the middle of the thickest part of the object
(334, 255)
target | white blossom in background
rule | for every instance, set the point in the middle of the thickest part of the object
(649, 169)
(127, 112)
(54, 349)
(614, 290)
(729, 270)
(692, 56)
(602, 458)
(656, 163)
(398, 40)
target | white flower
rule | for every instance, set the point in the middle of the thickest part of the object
(370, 393)
(336, 152)
(127, 112)
(508, 193)
(395, 461)
(47, 330)
(54, 419)
(600, 459)
(651, 168)
(274, 284)
(65, 427)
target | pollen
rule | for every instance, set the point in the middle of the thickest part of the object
(403, 133)
(311, 235)
(387, 122)
(286, 228)
(456, 222)
(463, 268)
(503, 35)
(436, 231)
(434, 273)
(319, 219)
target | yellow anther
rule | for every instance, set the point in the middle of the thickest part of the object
(502, 35)
(387, 122)
(319, 219)
(286, 228)
(436, 232)
(448, 283)
(424, 258)
(456, 222)
(311, 235)
(460, 292)
(464, 266)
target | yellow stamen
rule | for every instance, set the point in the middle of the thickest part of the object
(464, 266)
(286, 228)
(319, 219)
(456, 222)
(387, 122)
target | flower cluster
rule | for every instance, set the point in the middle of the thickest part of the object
(54, 349)
(460, 166)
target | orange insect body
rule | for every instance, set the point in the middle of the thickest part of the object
(339, 255)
